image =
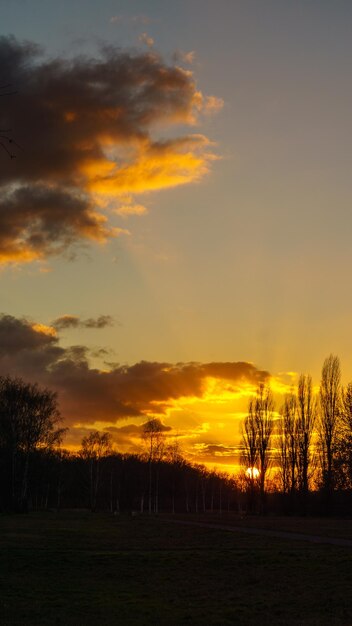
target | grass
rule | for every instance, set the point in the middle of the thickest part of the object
(83, 569)
(323, 527)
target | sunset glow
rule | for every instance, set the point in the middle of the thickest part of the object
(252, 472)
(175, 217)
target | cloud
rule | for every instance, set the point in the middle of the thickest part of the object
(147, 40)
(73, 321)
(131, 209)
(36, 221)
(218, 450)
(88, 128)
(233, 371)
(161, 165)
(185, 57)
(138, 430)
(88, 394)
(100, 322)
(19, 335)
(213, 104)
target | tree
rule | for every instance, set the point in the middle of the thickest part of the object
(264, 415)
(174, 457)
(306, 414)
(288, 445)
(342, 461)
(29, 417)
(95, 447)
(330, 408)
(256, 439)
(249, 457)
(153, 435)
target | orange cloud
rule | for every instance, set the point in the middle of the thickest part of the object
(153, 167)
(92, 127)
(33, 351)
(202, 404)
(46, 330)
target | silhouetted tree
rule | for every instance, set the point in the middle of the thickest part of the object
(306, 416)
(174, 456)
(330, 408)
(29, 418)
(95, 447)
(343, 447)
(153, 435)
(288, 445)
(264, 415)
(249, 456)
(256, 439)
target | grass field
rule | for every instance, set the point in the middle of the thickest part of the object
(83, 569)
(324, 526)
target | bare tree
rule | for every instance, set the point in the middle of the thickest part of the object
(288, 445)
(256, 440)
(95, 447)
(249, 456)
(264, 415)
(330, 408)
(174, 456)
(153, 435)
(346, 413)
(306, 415)
(343, 458)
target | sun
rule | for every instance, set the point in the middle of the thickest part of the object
(252, 472)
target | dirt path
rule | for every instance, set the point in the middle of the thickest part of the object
(279, 534)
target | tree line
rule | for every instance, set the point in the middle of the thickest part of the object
(304, 447)
(295, 459)
(37, 473)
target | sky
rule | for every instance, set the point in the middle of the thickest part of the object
(175, 227)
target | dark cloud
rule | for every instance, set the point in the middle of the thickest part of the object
(18, 336)
(36, 221)
(128, 429)
(73, 321)
(155, 424)
(233, 371)
(85, 127)
(88, 394)
(101, 353)
(137, 430)
(219, 450)
(100, 322)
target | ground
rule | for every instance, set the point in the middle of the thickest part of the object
(78, 568)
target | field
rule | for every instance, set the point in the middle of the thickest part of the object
(76, 568)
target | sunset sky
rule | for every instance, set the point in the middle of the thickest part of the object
(176, 225)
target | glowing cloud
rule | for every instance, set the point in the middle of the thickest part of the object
(33, 351)
(88, 127)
